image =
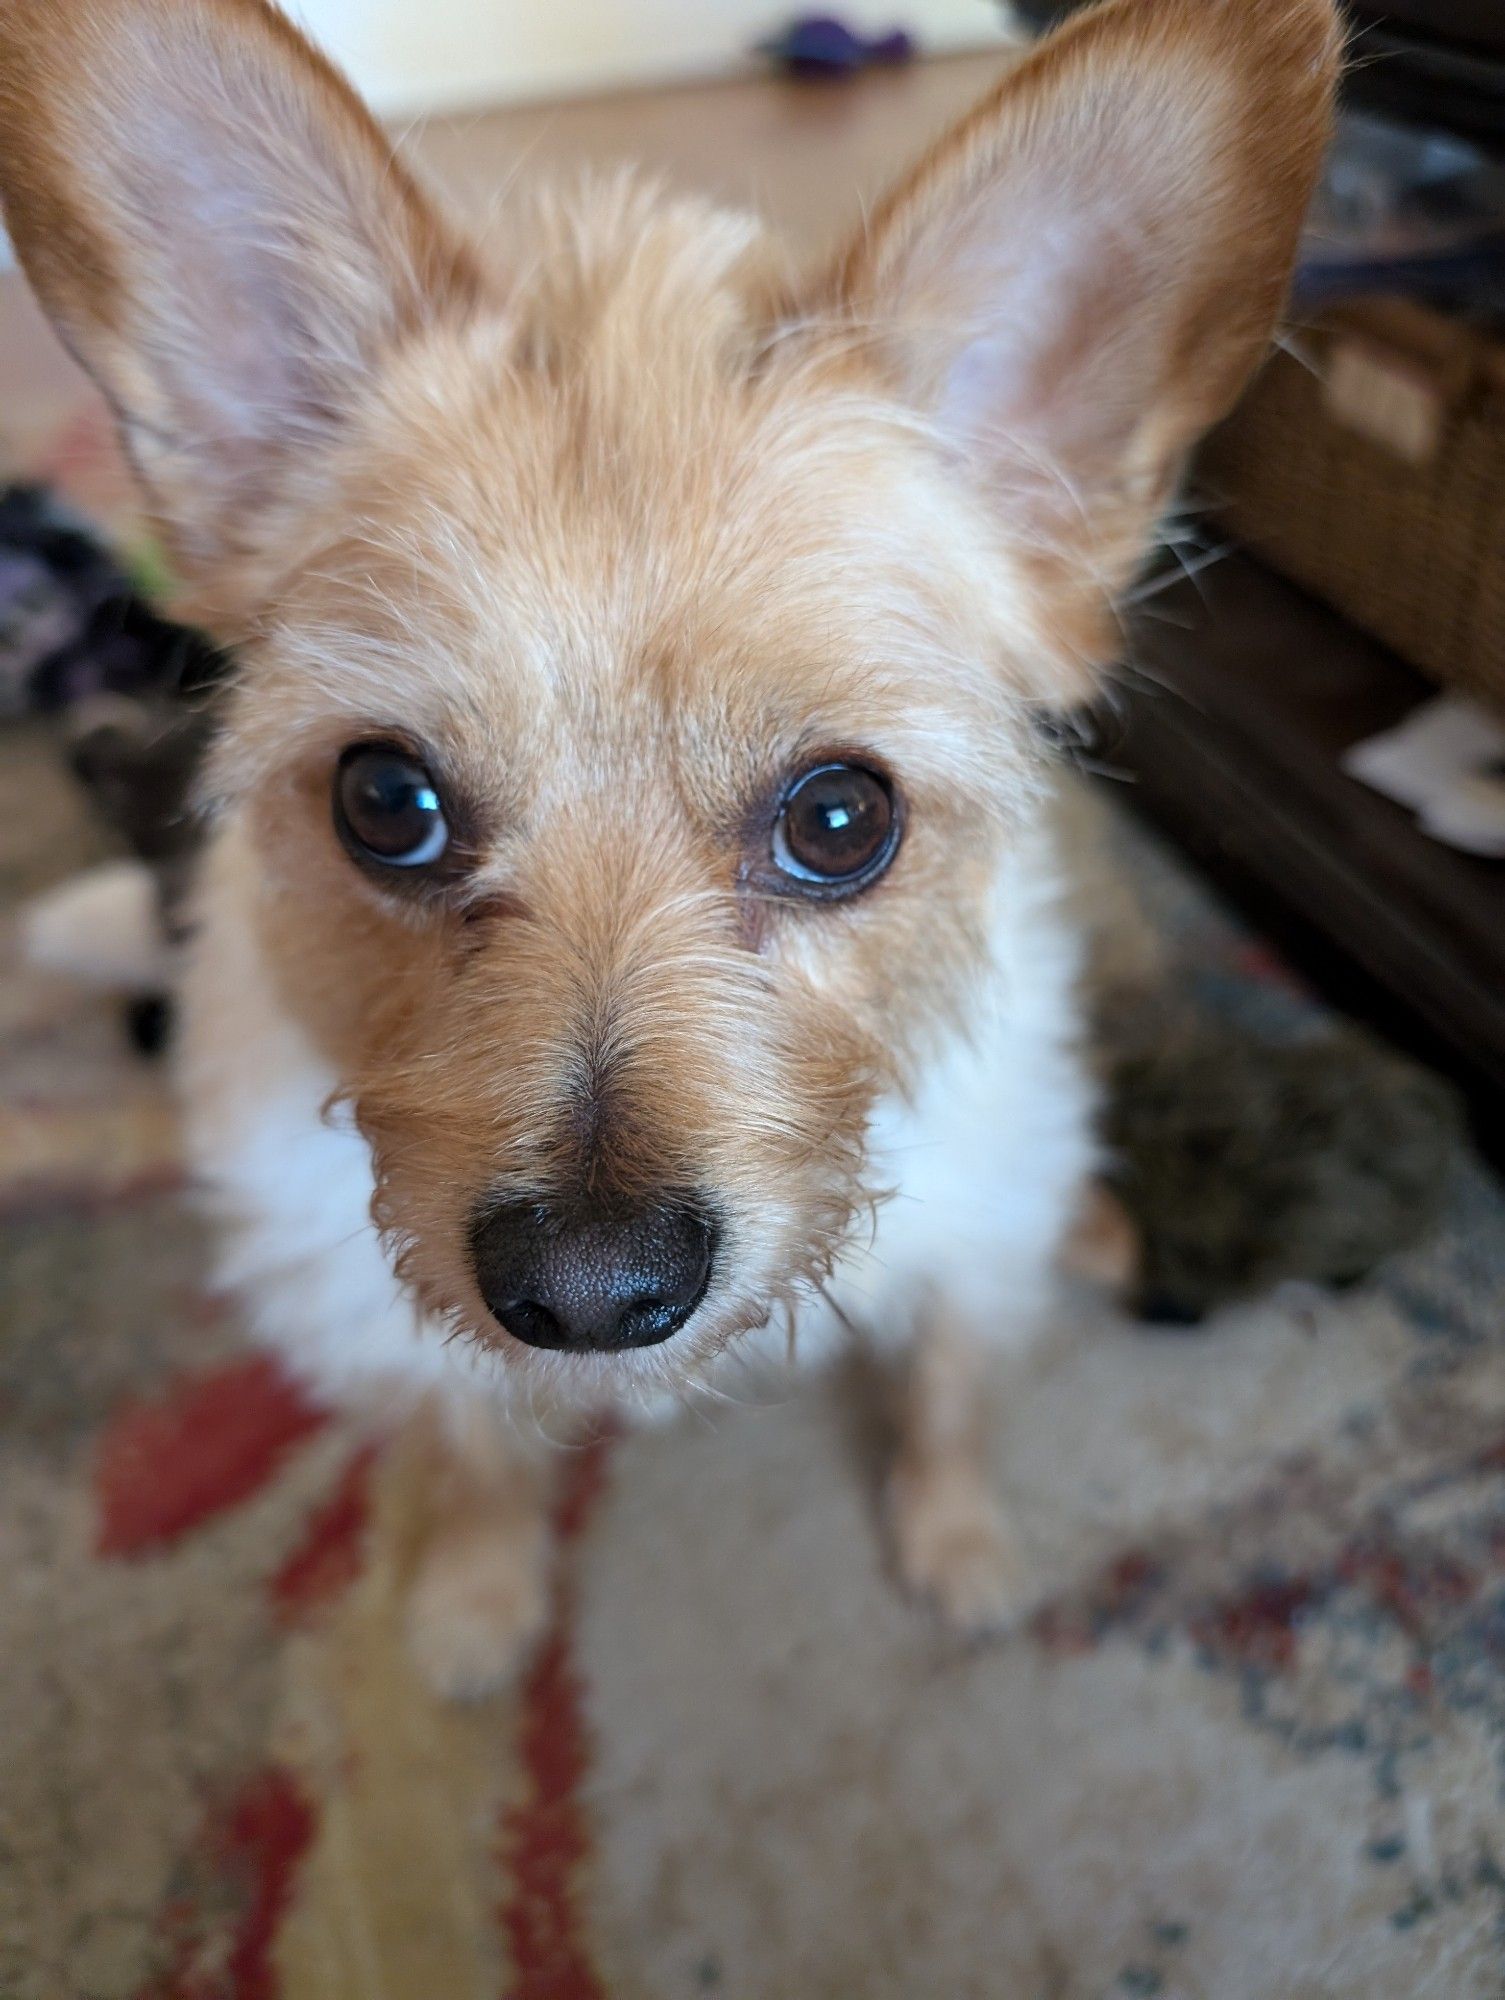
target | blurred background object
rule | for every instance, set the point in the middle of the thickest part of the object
(1411, 209)
(1432, 61)
(1438, 62)
(457, 53)
(821, 46)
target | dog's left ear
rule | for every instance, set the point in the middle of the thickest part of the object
(1079, 278)
(221, 234)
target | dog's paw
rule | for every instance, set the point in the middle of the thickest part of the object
(954, 1547)
(477, 1606)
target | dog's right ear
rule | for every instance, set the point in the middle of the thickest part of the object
(220, 233)
(1078, 279)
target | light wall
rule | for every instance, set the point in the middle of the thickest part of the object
(416, 55)
(411, 56)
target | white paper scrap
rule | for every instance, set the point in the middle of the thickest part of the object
(1446, 761)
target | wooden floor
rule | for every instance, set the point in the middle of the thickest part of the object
(807, 154)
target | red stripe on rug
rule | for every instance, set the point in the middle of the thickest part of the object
(328, 1558)
(545, 1837)
(258, 1843)
(267, 1833)
(164, 1467)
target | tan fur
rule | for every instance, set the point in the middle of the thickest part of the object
(617, 530)
(952, 1542)
(1103, 1244)
(480, 1584)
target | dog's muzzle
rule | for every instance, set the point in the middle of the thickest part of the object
(591, 1278)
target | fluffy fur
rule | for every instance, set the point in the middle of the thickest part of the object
(618, 527)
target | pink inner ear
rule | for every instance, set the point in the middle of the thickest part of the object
(1062, 273)
(252, 244)
(242, 312)
(1067, 342)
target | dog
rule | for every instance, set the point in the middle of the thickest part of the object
(630, 918)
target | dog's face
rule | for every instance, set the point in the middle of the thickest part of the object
(616, 861)
(640, 647)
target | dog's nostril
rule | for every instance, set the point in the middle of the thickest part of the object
(531, 1322)
(588, 1277)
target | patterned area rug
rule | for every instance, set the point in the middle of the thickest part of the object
(1250, 1749)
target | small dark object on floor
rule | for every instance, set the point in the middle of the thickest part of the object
(819, 46)
(1243, 1163)
(135, 691)
(138, 760)
(53, 579)
(72, 625)
(148, 1024)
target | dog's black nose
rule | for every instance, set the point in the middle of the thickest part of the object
(591, 1278)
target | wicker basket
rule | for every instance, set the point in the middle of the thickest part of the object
(1367, 462)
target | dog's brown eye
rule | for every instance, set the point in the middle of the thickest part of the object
(837, 828)
(387, 807)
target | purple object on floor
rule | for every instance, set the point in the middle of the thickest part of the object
(819, 45)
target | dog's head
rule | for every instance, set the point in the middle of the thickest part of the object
(640, 645)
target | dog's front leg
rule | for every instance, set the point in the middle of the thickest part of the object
(479, 1590)
(952, 1541)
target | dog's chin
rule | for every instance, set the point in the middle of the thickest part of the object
(673, 1367)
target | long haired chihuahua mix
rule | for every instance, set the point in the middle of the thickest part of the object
(629, 914)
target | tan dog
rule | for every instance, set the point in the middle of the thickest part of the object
(630, 913)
